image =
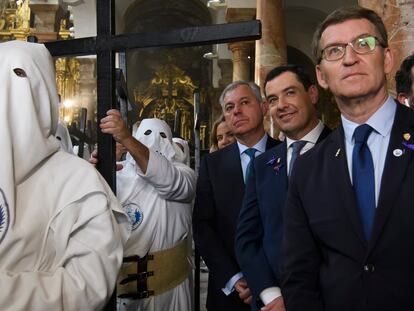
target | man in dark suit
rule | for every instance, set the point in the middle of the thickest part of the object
(292, 98)
(349, 236)
(220, 189)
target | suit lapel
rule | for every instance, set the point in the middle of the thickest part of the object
(337, 156)
(394, 170)
(325, 132)
(270, 143)
(233, 171)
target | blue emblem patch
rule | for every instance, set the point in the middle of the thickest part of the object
(135, 214)
(4, 216)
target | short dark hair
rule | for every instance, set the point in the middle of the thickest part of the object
(404, 77)
(300, 73)
(342, 15)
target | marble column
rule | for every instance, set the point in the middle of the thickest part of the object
(226, 67)
(241, 62)
(271, 48)
(45, 19)
(398, 19)
(241, 50)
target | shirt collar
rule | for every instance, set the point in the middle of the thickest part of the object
(381, 121)
(260, 146)
(311, 137)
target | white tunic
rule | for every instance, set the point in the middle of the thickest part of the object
(164, 203)
(64, 252)
(61, 229)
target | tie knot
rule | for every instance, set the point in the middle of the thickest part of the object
(250, 152)
(297, 146)
(362, 133)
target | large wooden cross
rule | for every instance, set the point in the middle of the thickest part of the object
(106, 44)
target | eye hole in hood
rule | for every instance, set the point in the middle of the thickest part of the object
(20, 72)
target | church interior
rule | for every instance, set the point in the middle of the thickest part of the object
(162, 81)
(182, 84)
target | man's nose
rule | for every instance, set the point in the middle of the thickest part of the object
(283, 103)
(350, 56)
(237, 109)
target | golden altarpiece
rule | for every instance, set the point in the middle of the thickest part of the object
(169, 89)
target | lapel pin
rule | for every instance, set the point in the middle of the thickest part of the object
(397, 152)
(407, 145)
(337, 152)
(406, 136)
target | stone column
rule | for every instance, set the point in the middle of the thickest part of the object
(45, 19)
(241, 62)
(226, 68)
(243, 11)
(271, 48)
(398, 19)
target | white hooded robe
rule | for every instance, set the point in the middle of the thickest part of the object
(61, 228)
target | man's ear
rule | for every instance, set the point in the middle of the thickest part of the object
(388, 60)
(402, 98)
(321, 77)
(265, 107)
(313, 93)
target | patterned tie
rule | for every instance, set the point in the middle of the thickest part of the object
(296, 148)
(251, 153)
(363, 178)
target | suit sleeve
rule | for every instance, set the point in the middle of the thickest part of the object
(207, 241)
(249, 242)
(301, 257)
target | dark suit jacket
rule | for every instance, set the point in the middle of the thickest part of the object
(220, 190)
(328, 265)
(260, 225)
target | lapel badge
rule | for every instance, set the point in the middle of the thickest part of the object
(406, 136)
(337, 152)
(272, 160)
(278, 166)
(276, 163)
(397, 152)
(407, 145)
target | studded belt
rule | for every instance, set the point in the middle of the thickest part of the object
(155, 273)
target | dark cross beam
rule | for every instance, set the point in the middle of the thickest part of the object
(106, 44)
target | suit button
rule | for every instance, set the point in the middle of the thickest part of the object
(369, 268)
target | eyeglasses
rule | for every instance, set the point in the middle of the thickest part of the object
(363, 45)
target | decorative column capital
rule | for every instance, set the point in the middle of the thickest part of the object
(240, 14)
(45, 19)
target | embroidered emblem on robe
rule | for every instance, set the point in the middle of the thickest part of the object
(4, 216)
(135, 214)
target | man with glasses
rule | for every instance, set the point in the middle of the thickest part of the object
(348, 241)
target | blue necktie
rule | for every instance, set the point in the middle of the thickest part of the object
(251, 153)
(296, 148)
(363, 178)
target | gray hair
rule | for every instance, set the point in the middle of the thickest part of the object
(232, 86)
